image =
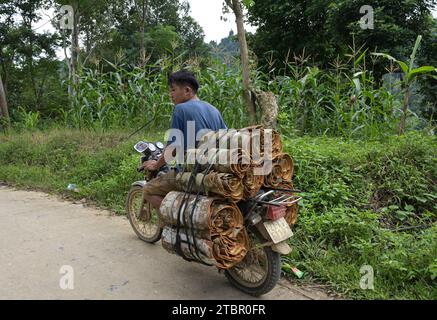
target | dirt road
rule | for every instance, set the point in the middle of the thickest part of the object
(54, 249)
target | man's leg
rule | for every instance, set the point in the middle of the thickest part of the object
(154, 201)
(155, 191)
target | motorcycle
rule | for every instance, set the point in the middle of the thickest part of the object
(145, 223)
(260, 270)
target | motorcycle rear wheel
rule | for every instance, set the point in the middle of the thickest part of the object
(258, 273)
(146, 228)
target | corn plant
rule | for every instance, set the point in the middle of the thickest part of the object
(29, 120)
(341, 101)
(410, 75)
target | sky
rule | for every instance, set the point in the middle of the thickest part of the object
(207, 13)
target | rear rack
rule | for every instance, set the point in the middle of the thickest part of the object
(283, 200)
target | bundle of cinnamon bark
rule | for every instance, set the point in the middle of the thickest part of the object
(238, 163)
(211, 230)
(226, 167)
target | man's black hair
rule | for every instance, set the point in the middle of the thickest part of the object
(184, 78)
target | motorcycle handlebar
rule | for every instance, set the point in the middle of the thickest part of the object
(151, 157)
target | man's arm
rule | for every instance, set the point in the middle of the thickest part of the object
(154, 165)
(167, 153)
(177, 124)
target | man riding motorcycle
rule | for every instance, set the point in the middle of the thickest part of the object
(264, 229)
(188, 111)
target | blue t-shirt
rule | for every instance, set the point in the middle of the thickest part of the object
(191, 117)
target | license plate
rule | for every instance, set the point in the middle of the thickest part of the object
(278, 230)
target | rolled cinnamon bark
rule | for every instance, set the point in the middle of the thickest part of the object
(235, 161)
(222, 184)
(214, 226)
(252, 184)
(282, 171)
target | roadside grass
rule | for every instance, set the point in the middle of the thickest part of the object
(102, 165)
(366, 203)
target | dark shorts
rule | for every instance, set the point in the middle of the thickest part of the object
(161, 185)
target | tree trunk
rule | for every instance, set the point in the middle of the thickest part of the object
(269, 108)
(27, 23)
(404, 110)
(4, 112)
(88, 41)
(238, 11)
(68, 62)
(74, 46)
(142, 31)
(5, 77)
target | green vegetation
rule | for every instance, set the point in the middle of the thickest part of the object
(102, 165)
(368, 203)
(365, 203)
(344, 101)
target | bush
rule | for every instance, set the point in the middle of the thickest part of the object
(367, 203)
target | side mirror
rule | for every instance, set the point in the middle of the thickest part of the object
(141, 146)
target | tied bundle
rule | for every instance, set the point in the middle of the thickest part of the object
(221, 184)
(226, 165)
(236, 158)
(252, 184)
(204, 247)
(211, 231)
(282, 171)
(233, 155)
(234, 161)
(291, 214)
(261, 149)
(250, 139)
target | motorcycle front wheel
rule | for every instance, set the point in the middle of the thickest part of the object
(145, 224)
(258, 273)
